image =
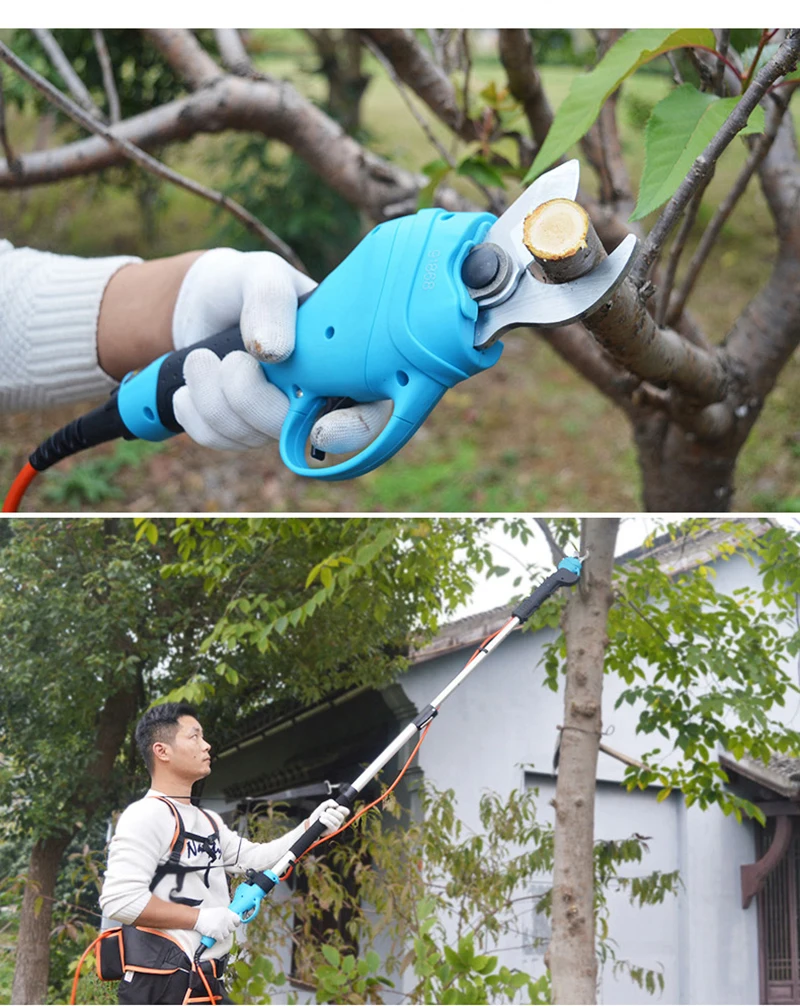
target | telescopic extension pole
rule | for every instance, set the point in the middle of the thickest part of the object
(249, 895)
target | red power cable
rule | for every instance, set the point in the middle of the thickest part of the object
(18, 487)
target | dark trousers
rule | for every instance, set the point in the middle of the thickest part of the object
(145, 989)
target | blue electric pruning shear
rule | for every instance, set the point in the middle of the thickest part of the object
(417, 306)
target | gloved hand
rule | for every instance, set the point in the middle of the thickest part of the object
(332, 816)
(218, 923)
(228, 404)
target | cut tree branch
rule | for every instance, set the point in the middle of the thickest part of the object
(781, 63)
(414, 66)
(144, 160)
(114, 112)
(62, 65)
(623, 325)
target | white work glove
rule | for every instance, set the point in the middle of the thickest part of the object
(228, 404)
(218, 923)
(332, 816)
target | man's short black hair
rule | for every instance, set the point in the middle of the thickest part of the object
(159, 724)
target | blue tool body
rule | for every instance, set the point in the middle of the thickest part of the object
(393, 321)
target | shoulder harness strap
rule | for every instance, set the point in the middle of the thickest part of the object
(206, 843)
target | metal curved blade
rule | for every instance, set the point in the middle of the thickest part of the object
(559, 183)
(549, 304)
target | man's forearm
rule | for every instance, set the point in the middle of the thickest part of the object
(166, 915)
(135, 323)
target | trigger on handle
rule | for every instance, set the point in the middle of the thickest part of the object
(332, 405)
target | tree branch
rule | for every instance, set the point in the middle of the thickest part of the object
(398, 83)
(783, 61)
(678, 245)
(414, 66)
(556, 551)
(75, 85)
(144, 160)
(275, 109)
(524, 82)
(185, 55)
(232, 51)
(14, 164)
(104, 59)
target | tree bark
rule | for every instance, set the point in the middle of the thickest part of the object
(32, 969)
(572, 958)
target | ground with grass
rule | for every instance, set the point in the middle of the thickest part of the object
(529, 434)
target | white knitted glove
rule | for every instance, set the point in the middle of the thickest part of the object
(228, 404)
(218, 923)
(332, 816)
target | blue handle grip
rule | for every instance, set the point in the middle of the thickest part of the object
(393, 321)
(247, 901)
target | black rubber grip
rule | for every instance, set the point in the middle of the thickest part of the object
(170, 375)
(561, 578)
(95, 427)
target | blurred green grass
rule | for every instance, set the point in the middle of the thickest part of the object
(527, 435)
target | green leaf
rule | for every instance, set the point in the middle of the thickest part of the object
(678, 131)
(749, 54)
(481, 171)
(373, 960)
(589, 91)
(436, 171)
(348, 963)
(331, 955)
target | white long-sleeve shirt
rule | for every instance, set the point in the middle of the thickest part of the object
(141, 842)
(49, 308)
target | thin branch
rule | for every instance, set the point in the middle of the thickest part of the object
(14, 164)
(723, 211)
(415, 67)
(107, 70)
(232, 51)
(144, 160)
(783, 61)
(467, 68)
(676, 73)
(556, 551)
(398, 83)
(75, 85)
(676, 251)
(722, 46)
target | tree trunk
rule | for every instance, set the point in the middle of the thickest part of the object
(33, 941)
(572, 958)
(680, 473)
(32, 964)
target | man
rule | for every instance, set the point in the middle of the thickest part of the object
(167, 864)
(71, 328)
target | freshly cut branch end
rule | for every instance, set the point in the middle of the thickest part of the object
(560, 234)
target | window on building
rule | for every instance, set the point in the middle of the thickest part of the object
(779, 922)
